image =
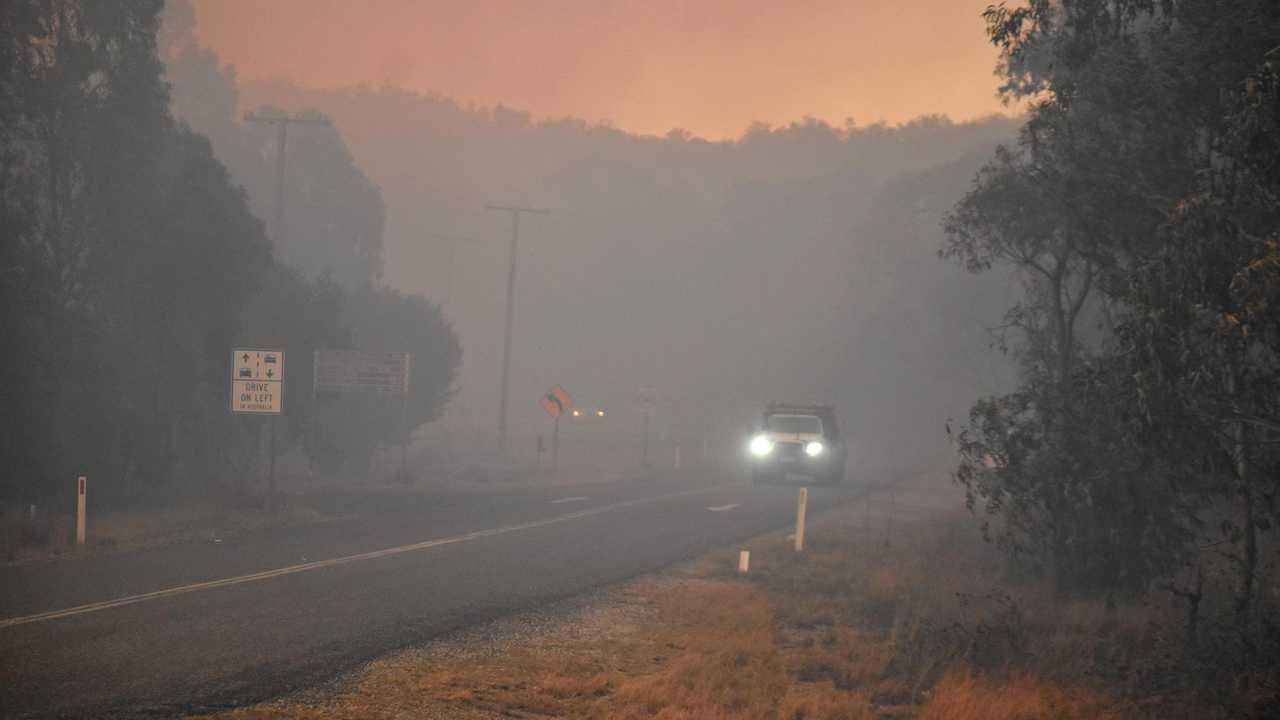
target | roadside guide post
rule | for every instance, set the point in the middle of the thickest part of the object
(81, 490)
(257, 387)
(556, 402)
(801, 505)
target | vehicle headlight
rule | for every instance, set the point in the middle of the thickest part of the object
(814, 448)
(760, 446)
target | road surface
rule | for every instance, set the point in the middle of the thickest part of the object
(201, 625)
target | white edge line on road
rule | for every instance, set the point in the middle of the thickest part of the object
(318, 564)
(575, 498)
(722, 508)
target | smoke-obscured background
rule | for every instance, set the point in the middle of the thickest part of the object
(791, 263)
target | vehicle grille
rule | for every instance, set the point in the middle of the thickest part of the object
(790, 450)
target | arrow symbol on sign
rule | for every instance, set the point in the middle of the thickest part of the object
(270, 372)
(245, 357)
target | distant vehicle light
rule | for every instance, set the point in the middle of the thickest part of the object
(760, 446)
(599, 413)
(577, 413)
(814, 448)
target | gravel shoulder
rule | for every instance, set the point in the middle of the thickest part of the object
(475, 674)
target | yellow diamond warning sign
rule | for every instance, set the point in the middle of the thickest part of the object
(556, 401)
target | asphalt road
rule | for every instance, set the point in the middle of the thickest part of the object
(201, 625)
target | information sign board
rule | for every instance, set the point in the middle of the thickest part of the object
(257, 381)
(358, 371)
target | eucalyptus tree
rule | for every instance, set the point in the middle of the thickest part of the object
(1115, 457)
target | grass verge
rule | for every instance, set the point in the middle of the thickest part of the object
(41, 536)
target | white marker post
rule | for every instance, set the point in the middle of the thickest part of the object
(800, 510)
(80, 498)
(744, 561)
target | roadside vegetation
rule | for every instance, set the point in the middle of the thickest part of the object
(133, 260)
(40, 535)
(1136, 460)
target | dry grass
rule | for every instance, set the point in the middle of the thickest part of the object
(708, 650)
(962, 696)
(26, 538)
(864, 625)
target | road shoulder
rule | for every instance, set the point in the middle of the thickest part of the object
(864, 624)
(855, 627)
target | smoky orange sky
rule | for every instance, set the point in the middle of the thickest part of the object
(712, 67)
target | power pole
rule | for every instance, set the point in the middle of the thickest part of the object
(282, 123)
(511, 288)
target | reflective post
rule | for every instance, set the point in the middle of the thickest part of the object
(800, 511)
(81, 491)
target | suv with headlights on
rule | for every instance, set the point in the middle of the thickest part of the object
(797, 443)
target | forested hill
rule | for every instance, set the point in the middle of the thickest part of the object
(703, 268)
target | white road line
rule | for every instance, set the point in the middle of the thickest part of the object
(318, 564)
(575, 498)
(722, 508)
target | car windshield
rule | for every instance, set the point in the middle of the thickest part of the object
(809, 424)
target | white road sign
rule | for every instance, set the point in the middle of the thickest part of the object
(359, 371)
(257, 381)
(265, 365)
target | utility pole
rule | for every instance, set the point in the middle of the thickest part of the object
(511, 288)
(282, 123)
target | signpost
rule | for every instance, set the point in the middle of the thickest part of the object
(556, 402)
(382, 373)
(257, 387)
